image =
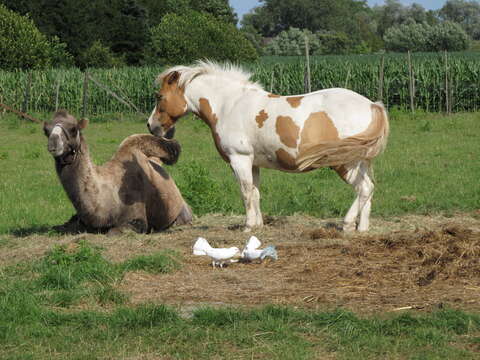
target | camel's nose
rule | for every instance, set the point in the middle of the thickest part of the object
(55, 145)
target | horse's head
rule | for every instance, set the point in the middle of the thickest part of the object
(170, 106)
(63, 134)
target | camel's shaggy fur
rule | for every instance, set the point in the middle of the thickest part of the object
(131, 190)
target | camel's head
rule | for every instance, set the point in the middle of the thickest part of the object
(169, 107)
(64, 138)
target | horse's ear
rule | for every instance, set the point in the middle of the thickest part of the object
(173, 77)
(82, 124)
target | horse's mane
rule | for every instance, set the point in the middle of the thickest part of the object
(229, 71)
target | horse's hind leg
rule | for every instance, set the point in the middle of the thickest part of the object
(358, 176)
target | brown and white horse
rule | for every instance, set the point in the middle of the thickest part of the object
(252, 128)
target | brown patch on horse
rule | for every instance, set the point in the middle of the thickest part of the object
(171, 103)
(285, 160)
(274, 96)
(317, 128)
(287, 130)
(261, 118)
(294, 101)
(334, 152)
(207, 115)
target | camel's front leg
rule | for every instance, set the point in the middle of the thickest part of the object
(242, 167)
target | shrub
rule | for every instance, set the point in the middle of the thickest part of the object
(448, 36)
(23, 46)
(98, 56)
(193, 35)
(423, 37)
(413, 37)
(292, 42)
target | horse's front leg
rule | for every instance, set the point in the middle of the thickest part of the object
(242, 167)
(256, 195)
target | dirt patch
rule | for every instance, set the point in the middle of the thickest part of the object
(414, 261)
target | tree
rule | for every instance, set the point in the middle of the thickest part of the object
(220, 9)
(157, 9)
(174, 42)
(98, 56)
(119, 24)
(275, 16)
(23, 46)
(405, 37)
(423, 37)
(351, 17)
(448, 36)
(292, 42)
(465, 13)
(393, 13)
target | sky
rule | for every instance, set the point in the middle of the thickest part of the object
(243, 6)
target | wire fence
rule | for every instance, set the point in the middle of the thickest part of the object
(433, 82)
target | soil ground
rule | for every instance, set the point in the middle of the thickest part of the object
(419, 262)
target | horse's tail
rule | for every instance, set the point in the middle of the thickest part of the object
(168, 150)
(364, 146)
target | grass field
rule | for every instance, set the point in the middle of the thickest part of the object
(146, 297)
(430, 166)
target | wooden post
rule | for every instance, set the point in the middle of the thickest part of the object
(381, 78)
(85, 95)
(271, 80)
(347, 78)
(57, 91)
(447, 98)
(26, 98)
(307, 84)
(411, 76)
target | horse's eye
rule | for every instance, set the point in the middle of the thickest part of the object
(159, 97)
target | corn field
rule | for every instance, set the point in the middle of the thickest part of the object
(433, 82)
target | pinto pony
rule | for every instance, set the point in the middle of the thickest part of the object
(252, 128)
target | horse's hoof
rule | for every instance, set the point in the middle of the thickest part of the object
(349, 228)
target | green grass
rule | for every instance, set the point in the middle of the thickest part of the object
(431, 160)
(65, 305)
(30, 329)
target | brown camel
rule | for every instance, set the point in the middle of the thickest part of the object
(132, 190)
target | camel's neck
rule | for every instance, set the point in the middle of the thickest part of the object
(77, 177)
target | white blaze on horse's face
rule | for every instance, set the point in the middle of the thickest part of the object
(170, 106)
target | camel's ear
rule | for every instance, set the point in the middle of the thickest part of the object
(82, 124)
(173, 77)
(47, 128)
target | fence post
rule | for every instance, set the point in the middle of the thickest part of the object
(381, 78)
(85, 94)
(447, 98)
(307, 81)
(411, 76)
(272, 79)
(26, 98)
(57, 91)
